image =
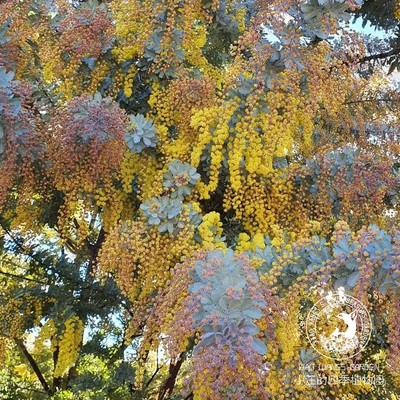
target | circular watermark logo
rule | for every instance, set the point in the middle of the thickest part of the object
(338, 326)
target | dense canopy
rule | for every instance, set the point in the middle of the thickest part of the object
(181, 181)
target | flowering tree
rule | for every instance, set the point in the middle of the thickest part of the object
(180, 181)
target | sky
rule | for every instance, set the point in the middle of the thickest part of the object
(368, 29)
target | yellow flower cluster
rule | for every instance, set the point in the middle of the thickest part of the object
(71, 81)
(128, 81)
(397, 9)
(4, 347)
(128, 168)
(132, 21)
(199, 35)
(148, 172)
(115, 206)
(118, 83)
(210, 231)
(283, 352)
(50, 56)
(158, 104)
(26, 217)
(260, 203)
(47, 336)
(73, 219)
(66, 342)
(24, 372)
(193, 43)
(240, 17)
(219, 116)
(237, 376)
(203, 120)
(361, 388)
(97, 76)
(289, 344)
(68, 345)
(256, 138)
(14, 312)
(246, 243)
(142, 260)
(172, 110)
(142, 257)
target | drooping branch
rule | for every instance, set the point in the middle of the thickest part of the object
(35, 367)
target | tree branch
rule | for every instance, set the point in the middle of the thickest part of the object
(21, 277)
(24, 250)
(158, 367)
(372, 101)
(94, 251)
(35, 367)
(380, 56)
(56, 380)
(169, 384)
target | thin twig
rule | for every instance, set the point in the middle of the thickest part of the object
(155, 372)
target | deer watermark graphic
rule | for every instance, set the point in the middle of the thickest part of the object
(338, 326)
(342, 342)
